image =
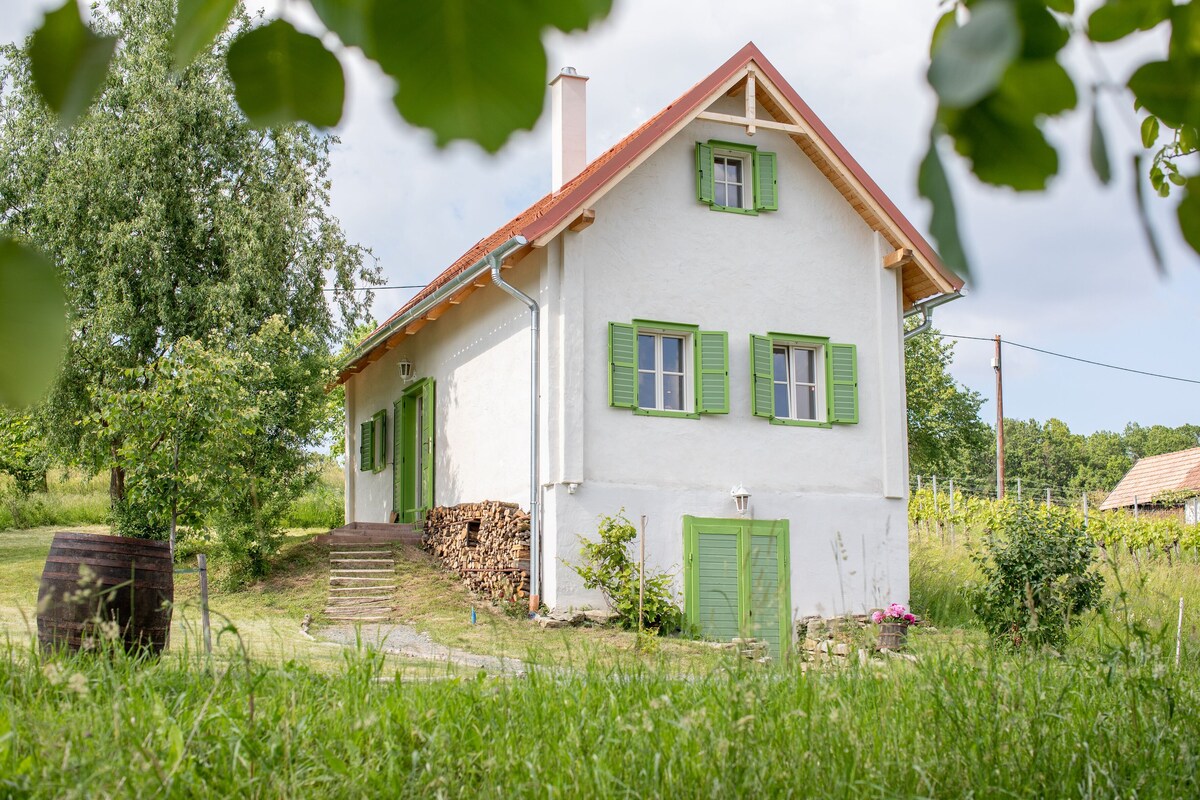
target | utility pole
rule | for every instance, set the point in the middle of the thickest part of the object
(996, 365)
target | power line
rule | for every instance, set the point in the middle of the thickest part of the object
(377, 288)
(1072, 358)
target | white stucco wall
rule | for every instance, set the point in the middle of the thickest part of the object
(478, 356)
(812, 267)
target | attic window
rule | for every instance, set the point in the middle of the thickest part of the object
(736, 177)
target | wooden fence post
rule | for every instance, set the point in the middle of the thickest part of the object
(202, 563)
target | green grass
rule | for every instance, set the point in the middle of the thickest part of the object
(947, 727)
(1141, 597)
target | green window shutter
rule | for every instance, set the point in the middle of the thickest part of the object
(762, 394)
(712, 387)
(843, 383)
(366, 453)
(766, 183)
(622, 365)
(379, 440)
(427, 446)
(704, 173)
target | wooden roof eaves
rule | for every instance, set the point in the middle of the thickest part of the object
(782, 93)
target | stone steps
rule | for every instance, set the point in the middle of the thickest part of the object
(362, 571)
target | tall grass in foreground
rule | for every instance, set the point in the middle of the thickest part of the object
(112, 727)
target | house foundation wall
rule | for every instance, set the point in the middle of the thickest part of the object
(849, 552)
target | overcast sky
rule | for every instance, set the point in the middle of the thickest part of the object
(1066, 271)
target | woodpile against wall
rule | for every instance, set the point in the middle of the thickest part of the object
(486, 544)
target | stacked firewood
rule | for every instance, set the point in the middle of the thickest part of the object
(486, 544)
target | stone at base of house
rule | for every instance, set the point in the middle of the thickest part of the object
(838, 640)
(563, 619)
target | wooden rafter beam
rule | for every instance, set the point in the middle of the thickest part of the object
(747, 122)
(751, 103)
(416, 325)
(586, 218)
(898, 258)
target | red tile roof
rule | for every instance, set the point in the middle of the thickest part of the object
(1153, 475)
(556, 208)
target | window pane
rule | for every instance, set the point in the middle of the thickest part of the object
(673, 392)
(672, 354)
(733, 169)
(719, 169)
(806, 402)
(645, 351)
(719, 194)
(781, 400)
(647, 396)
(781, 363)
(804, 365)
(733, 196)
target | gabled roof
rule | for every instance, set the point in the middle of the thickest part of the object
(1154, 475)
(923, 274)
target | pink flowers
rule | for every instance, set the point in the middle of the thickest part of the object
(895, 613)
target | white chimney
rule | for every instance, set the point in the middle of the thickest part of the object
(568, 92)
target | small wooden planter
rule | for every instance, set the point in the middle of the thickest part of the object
(893, 635)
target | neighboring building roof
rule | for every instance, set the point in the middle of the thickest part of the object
(922, 273)
(1154, 475)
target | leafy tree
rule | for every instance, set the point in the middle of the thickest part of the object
(279, 76)
(188, 424)
(1037, 577)
(1105, 462)
(1156, 440)
(998, 69)
(945, 434)
(168, 218)
(23, 453)
(1042, 454)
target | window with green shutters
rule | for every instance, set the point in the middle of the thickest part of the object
(668, 369)
(736, 177)
(803, 380)
(366, 446)
(379, 441)
(372, 443)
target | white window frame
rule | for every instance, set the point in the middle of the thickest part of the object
(747, 159)
(688, 374)
(819, 387)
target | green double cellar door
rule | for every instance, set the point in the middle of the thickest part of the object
(736, 581)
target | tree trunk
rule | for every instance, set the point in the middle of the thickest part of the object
(116, 485)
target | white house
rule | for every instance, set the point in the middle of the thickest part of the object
(716, 302)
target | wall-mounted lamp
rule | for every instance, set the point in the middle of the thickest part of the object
(406, 370)
(741, 498)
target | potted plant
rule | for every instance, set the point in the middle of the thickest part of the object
(893, 625)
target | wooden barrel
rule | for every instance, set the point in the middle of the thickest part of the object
(96, 588)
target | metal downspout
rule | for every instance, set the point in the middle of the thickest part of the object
(535, 572)
(926, 311)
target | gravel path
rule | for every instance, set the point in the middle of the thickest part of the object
(403, 640)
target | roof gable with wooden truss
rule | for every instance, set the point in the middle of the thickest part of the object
(747, 74)
(1153, 475)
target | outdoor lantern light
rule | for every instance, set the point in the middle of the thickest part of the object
(741, 497)
(406, 369)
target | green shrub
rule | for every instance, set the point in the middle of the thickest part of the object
(1038, 578)
(609, 567)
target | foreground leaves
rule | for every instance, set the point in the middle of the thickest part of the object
(69, 62)
(281, 75)
(32, 324)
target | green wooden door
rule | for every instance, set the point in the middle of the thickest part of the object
(412, 467)
(736, 580)
(766, 584)
(718, 610)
